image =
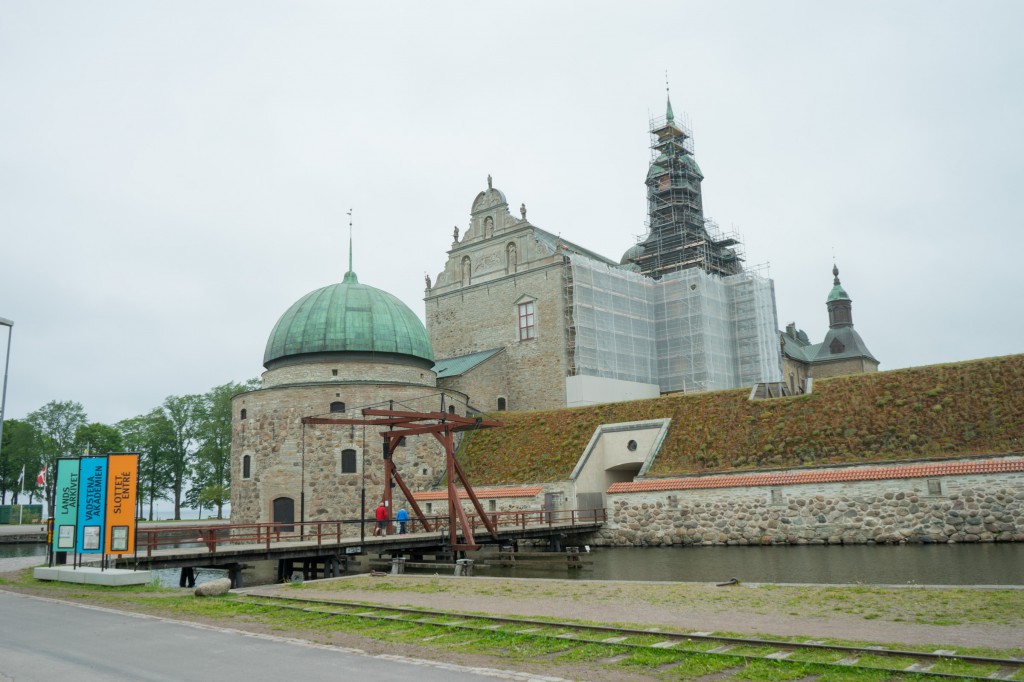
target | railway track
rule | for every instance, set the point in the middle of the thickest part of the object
(725, 652)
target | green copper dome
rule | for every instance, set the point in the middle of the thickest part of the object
(348, 317)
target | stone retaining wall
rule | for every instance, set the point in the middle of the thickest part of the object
(949, 510)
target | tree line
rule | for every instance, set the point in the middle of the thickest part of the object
(184, 448)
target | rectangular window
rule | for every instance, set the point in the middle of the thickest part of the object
(492, 505)
(527, 321)
(934, 486)
(348, 461)
(776, 495)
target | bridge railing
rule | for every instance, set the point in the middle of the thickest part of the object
(211, 537)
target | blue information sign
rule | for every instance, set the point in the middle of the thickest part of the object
(92, 504)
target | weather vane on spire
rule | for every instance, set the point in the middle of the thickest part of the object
(350, 240)
(669, 116)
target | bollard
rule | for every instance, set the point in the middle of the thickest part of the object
(397, 565)
(464, 567)
(572, 557)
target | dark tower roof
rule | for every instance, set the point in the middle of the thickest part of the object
(842, 340)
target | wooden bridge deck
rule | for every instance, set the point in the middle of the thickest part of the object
(227, 545)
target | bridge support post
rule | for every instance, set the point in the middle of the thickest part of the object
(464, 568)
(187, 577)
(397, 565)
(235, 574)
(572, 557)
(556, 543)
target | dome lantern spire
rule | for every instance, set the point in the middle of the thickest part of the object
(350, 276)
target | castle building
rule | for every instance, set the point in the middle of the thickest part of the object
(842, 351)
(523, 319)
(336, 350)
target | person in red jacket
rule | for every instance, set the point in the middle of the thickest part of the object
(382, 520)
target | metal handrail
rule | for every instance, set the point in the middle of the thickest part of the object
(268, 533)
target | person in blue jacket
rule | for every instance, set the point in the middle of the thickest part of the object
(402, 517)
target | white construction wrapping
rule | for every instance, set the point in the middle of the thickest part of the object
(688, 331)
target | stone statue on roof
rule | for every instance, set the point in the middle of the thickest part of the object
(426, 278)
(455, 233)
(489, 186)
(522, 209)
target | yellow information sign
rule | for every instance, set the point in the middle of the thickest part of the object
(122, 487)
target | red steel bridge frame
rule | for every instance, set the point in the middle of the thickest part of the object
(443, 426)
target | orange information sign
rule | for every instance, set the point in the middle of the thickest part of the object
(122, 487)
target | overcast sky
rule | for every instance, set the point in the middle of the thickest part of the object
(174, 175)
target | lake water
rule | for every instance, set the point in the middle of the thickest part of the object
(964, 564)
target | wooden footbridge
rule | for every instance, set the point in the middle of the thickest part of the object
(323, 548)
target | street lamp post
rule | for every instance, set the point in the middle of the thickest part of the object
(3, 400)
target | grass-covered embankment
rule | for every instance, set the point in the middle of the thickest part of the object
(965, 408)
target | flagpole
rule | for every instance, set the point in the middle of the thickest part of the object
(21, 496)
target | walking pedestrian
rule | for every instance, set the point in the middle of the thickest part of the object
(402, 516)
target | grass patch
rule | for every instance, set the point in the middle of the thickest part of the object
(591, 652)
(650, 658)
(775, 670)
(958, 667)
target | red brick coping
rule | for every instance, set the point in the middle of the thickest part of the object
(990, 466)
(523, 491)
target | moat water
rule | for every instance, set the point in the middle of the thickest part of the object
(963, 564)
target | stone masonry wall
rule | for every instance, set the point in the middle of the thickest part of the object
(286, 459)
(987, 508)
(485, 316)
(483, 384)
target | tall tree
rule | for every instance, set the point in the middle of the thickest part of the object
(211, 486)
(185, 414)
(19, 452)
(56, 422)
(98, 439)
(152, 437)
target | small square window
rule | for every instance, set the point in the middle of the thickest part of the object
(934, 486)
(334, 372)
(776, 495)
(492, 505)
(430, 508)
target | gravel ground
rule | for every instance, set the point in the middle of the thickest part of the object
(631, 602)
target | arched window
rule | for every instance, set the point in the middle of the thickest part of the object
(348, 461)
(241, 415)
(247, 466)
(337, 406)
(502, 404)
(451, 409)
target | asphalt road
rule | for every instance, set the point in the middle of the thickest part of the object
(42, 639)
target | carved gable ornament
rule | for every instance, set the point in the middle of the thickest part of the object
(488, 199)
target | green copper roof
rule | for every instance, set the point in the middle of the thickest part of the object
(348, 317)
(451, 367)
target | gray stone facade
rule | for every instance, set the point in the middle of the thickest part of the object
(473, 306)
